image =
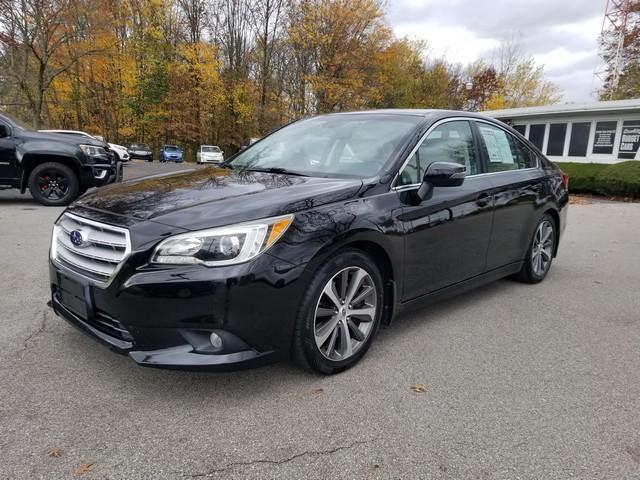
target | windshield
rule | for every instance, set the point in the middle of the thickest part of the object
(171, 148)
(140, 146)
(352, 145)
(206, 148)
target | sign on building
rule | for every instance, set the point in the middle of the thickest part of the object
(630, 139)
(605, 136)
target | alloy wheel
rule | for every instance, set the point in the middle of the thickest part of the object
(53, 184)
(542, 249)
(345, 313)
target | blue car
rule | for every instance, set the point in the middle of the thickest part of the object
(171, 153)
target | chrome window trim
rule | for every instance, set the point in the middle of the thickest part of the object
(455, 119)
(79, 219)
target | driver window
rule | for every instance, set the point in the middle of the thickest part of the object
(449, 142)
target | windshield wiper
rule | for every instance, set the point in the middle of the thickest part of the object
(280, 170)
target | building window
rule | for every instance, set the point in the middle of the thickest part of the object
(579, 139)
(629, 140)
(557, 134)
(604, 137)
(536, 134)
(521, 129)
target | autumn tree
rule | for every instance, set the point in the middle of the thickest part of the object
(520, 81)
(44, 39)
(342, 40)
(222, 71)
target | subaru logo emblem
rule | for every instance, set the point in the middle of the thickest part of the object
(77, 238)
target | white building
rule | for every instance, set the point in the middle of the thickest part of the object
(598, 132)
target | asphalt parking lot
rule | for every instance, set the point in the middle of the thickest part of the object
(535, 382)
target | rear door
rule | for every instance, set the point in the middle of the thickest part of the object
(518, 191)
(447, 235)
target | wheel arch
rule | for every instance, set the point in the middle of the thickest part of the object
(373, 244)
(553, 213)
(30, 161)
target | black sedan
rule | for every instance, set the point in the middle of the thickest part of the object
(304, 243)
(141, 151)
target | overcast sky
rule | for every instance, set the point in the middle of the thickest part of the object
(560, 34)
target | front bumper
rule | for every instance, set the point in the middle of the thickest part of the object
(146, 156)
(98, 175)
(163, 317)
(215, 160)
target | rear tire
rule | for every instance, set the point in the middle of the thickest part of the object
(540, 251)
(339, 314)
(53, 184)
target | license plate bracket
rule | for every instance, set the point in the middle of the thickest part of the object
(72, 295)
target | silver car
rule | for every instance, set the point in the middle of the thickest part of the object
(209, 154)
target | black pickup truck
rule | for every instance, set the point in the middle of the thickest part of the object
(55, 168)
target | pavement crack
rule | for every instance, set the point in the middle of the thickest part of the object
(314, 453)
(33, 335)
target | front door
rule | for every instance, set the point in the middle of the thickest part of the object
(8, 167)
(448, 234)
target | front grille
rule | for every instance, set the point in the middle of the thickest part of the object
(102, 250)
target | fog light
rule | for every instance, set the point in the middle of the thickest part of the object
(216, 341)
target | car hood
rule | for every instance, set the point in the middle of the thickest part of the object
(210, 197)
(62, 138)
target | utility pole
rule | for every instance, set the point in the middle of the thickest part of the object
(614, 25)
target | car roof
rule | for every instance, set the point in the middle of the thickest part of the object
(421, 112)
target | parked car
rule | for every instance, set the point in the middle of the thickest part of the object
(171, 153)
(142, 151)
(308, 240)
(55, 168)
(209, 154)
(119, 150)
(250, 142)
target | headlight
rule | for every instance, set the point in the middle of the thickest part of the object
(93, 151)
(224, 245)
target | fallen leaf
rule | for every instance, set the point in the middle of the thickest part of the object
(83, 470)
(55, 452)
(418, 387)
(316, 391)
(579, 200)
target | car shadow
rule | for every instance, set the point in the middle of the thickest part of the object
(276, 379)
(442, 309)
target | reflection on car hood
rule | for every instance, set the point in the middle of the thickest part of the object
(210, 197)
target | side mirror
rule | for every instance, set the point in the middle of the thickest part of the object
(440, 174)
(4, 131)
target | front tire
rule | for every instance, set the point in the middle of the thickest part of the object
(340, 313)
(539, 257)
(53, 184)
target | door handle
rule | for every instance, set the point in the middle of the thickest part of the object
(483, 199)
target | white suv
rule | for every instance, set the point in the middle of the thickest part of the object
(209, 154)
